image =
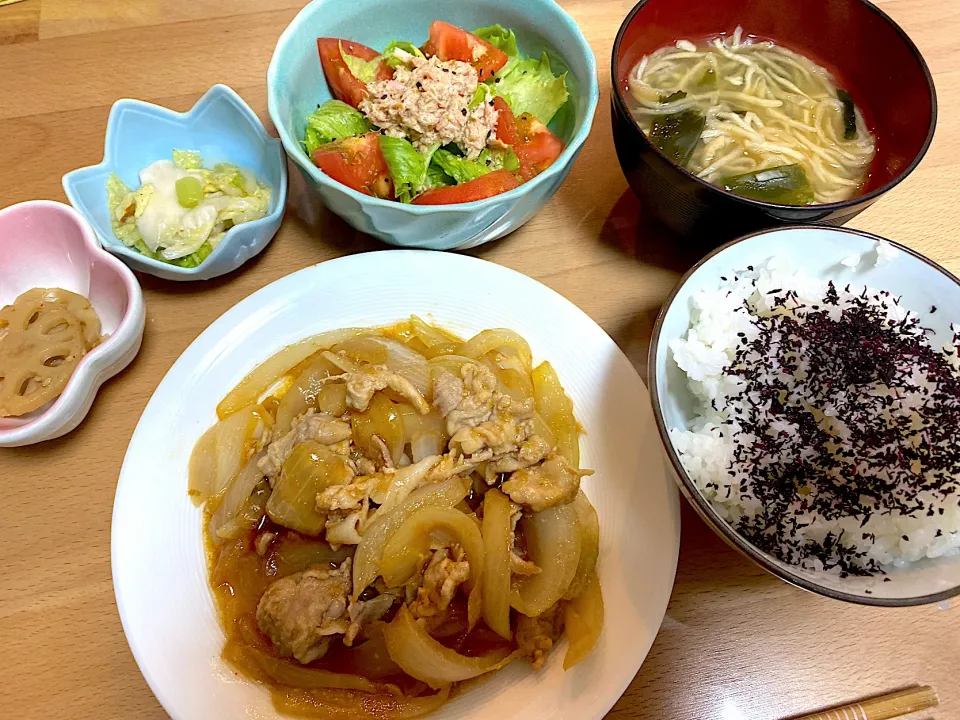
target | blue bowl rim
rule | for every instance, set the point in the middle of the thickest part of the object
(700, 504)
(112, 244)
(821, 209)
(296, 153)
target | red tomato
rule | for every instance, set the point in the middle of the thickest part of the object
(448, 42)
(536, 147)
(344, 84)
(358, 163)
(499, 181)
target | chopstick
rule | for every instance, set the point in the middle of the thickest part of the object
(881, 707)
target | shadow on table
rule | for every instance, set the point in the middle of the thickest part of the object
(632, 230)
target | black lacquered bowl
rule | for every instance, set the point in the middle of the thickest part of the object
(863, 46)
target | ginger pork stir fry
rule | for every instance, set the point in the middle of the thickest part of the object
(392, 511)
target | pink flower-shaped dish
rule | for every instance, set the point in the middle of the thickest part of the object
(48, 244)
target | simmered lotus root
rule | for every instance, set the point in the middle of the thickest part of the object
(76, 305)
(41, 342)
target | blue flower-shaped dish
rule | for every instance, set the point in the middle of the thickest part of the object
(296, 85)
(223, 128)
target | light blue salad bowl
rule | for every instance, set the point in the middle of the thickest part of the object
(223, 128)
(296, 86)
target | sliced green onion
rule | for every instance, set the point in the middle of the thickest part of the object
(189, 191)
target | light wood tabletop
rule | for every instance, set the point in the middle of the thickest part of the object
(736, 643)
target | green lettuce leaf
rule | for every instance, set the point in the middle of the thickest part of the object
(437, 177)
(332, 121)
(408, 168)
(463, 170)
(479, 96)
(531, 87)
(501, 37)
(363, 70)
(187, 159)
(390, 59)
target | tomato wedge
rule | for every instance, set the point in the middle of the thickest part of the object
(499, 181)
(344, 84)
(358, 163)
(448, 42)
(536, 147)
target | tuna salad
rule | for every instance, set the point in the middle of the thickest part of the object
(463, 117)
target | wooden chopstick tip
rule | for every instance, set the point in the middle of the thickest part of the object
(881, 707)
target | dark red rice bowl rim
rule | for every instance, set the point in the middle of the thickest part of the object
(829, 208)
(703, 507)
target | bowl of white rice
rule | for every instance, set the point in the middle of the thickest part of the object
(806, 385)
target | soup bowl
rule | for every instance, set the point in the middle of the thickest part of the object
(867, 53)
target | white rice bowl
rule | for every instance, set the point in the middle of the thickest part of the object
(696, 339)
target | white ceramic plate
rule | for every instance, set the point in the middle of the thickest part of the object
(159, 571)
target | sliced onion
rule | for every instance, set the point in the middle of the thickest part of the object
(293, 553)
(362, 350)
(427, 660)
(430, 527)
(487, 340)
(371, 658)
(223, 449)
(236, 494)
(450, 364)
(393, 488)
(496, 575)
(344, 363)
(295, 675)
(273, 368)
(332, 399)
(366, 561)
(541, 428)
(583, 621)
(414, 422)
(383, 419)
(557, 410)
(203, 467)
(250, 514)
(408, 363)
(589, 545)
(310, 469)
(302, 394)
(430, 335)
(553, 542)
(425, 444)
(347, 705)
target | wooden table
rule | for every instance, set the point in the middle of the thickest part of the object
(736, 643)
